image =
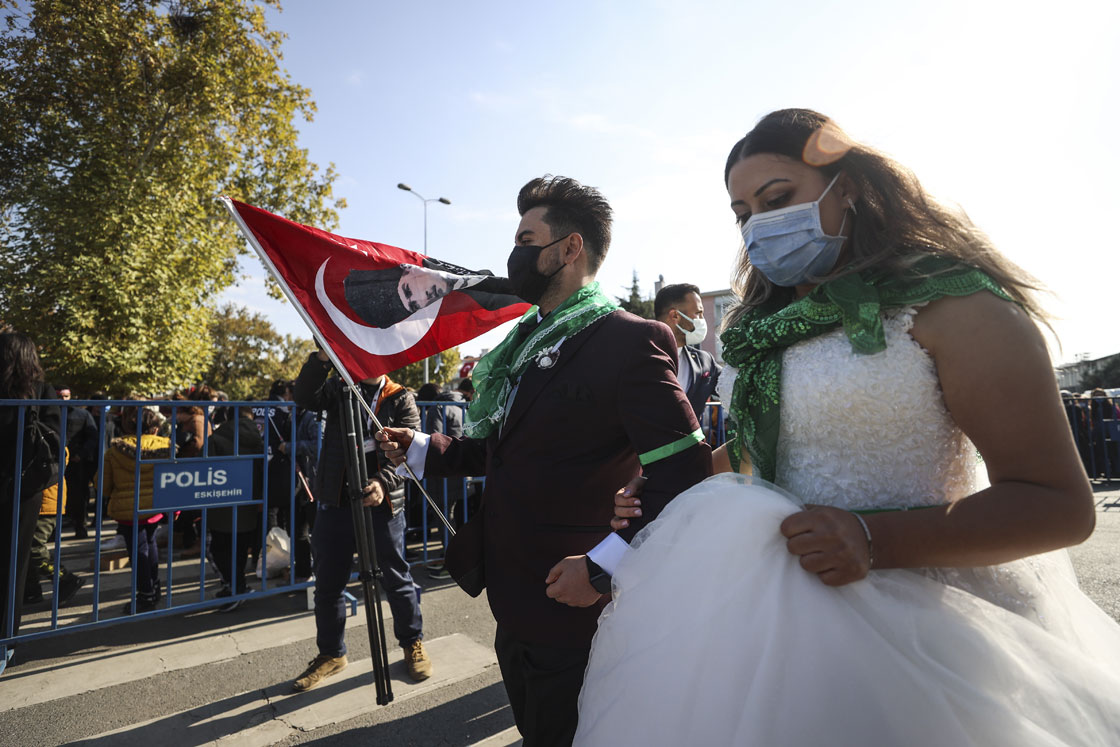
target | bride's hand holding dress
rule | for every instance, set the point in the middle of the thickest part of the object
(829, 542)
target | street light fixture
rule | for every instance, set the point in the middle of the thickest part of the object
(424, 200)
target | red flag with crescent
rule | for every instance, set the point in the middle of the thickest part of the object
(378, 307)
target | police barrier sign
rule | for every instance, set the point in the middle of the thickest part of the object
(182, 486)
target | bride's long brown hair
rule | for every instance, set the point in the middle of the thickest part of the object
(896, 223)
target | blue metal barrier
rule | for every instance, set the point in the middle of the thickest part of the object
(454, 495)
(1095, 423)
(715, 423)
(36, 624)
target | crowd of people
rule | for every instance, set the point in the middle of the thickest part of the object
(1094, 418)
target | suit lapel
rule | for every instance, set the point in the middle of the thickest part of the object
(535, 378)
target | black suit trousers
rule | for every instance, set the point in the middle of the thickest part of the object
(543, 685)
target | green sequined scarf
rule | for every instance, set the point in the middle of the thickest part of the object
(500, 369)
(854, 302)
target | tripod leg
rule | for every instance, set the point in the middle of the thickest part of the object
(375, 622)
(378, 610)
(364, 541)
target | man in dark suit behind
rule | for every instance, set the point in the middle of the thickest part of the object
(580, 403)
(680, 308)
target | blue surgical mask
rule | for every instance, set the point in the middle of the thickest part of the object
(789, 246)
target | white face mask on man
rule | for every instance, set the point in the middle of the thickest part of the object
(699, 330)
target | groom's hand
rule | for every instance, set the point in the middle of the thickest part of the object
(394, 443)
(569, 583)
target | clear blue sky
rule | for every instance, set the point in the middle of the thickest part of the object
(1007, 108)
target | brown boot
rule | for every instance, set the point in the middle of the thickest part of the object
(318, 669)
(417, 661)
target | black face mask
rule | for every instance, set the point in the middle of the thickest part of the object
(529, 283)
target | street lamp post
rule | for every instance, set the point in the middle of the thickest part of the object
(424, 200)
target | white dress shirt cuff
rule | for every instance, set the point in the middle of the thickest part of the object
(608, 553)
(416, 454)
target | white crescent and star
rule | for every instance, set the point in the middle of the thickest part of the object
(374, 340)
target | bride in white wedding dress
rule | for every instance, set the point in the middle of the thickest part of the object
(890, 587)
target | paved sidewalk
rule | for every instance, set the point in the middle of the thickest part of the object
(212, 678)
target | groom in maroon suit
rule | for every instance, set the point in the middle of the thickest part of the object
(578, 400)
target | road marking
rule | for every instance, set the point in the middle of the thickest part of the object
(270, 716)
(510, 737)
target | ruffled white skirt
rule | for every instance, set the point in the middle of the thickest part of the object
(717, 636)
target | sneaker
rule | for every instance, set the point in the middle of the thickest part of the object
(68, 586)
(318, 669)
(233, 604)
(32, 593)
(417, 661)
(142, 605)
(436, 570)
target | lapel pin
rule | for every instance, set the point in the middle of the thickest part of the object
(547, 358)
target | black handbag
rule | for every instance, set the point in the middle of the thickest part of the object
(464, 559)
(40, 459)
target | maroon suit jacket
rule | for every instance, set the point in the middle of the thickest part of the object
(572, 438)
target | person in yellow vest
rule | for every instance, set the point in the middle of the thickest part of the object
(119, 483)
(42, 545)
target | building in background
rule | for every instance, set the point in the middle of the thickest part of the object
(716, 305)
(1085, 374)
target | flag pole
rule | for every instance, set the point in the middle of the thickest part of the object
(325, 347)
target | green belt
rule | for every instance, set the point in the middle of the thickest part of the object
(887, 510)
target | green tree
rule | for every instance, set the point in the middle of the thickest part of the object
(635, 304)
(1103, 372)
(249, 354)
(123, 121)
(412, 375)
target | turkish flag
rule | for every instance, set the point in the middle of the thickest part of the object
(377, 307)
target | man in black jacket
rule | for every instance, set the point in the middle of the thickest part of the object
(680, 308)
(230, 550)
(332, 540)
(81, 443)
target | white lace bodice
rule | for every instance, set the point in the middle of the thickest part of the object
(866, 431)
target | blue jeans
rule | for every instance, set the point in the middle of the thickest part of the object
(333, 543)
(146, 558)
